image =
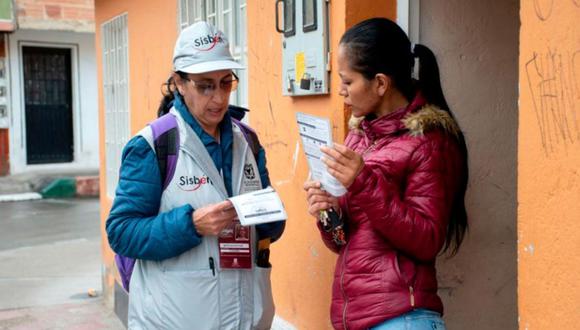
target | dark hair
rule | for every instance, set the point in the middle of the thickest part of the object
(168, 90)
(379, 45)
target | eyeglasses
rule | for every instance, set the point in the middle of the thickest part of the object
(208, 88)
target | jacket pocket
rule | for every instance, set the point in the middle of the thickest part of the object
(264, 309)
(191, 299)
(144, 309)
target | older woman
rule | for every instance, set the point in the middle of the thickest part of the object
(183, 278)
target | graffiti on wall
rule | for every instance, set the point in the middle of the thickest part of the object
(544, 8)
(553, 78)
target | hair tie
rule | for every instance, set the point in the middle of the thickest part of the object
(415, 57)
(413, 52)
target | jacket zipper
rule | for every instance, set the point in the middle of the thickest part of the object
(342, 288)
(412, 292)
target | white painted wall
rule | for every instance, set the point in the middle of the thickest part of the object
(85, 101)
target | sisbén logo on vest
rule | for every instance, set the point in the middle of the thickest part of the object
(193, 183)
(208, 42)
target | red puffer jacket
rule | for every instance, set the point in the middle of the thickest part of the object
(397, 212)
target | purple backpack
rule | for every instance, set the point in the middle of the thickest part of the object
(166, 142)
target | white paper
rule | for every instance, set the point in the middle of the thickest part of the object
(258, 207)
(316, 132)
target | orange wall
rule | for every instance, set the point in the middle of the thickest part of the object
(548, 172)
(152, 32)
(303, 267)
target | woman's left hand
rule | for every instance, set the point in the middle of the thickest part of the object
(318, 199)
(343, 163)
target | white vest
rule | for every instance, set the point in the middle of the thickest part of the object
(183, 292)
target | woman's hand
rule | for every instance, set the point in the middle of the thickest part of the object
(318, 199)
(212, 219)
(343, 163)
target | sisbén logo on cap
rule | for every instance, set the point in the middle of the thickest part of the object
(200, 48)
(208, 42)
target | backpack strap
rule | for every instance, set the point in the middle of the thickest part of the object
(250, 136)
(166, 142)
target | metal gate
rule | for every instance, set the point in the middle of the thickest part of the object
(48, 105)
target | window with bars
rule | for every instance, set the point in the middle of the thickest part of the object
(116, 95)
(230, 17)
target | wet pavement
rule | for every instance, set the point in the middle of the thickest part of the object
(50, 258)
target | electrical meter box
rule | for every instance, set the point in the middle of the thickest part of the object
(305, 46)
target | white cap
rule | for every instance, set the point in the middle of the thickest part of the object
(202, 48)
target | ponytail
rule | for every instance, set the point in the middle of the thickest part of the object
(168, 90)
(429, 83)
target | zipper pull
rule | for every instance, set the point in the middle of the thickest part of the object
(212, 265)
(412, 296)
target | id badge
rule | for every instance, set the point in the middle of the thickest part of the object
(235, 247)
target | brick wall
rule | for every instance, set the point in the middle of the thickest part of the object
(67, 15)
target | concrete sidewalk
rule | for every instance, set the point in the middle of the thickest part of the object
(50, 259)
(87, 315)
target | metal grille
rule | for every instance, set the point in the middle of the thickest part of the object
(116, 94)
(230, 17)
(48, 104)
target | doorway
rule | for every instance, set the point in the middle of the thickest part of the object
(48, 104)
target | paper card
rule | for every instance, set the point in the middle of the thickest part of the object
(316, 132)
(261, 206)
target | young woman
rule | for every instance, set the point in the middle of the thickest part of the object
(182, 277)
(404, 164)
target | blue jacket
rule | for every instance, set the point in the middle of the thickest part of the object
(136, 229)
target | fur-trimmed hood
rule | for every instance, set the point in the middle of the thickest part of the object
(428, 118)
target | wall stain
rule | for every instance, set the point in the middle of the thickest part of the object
(530, 249)
(276, 143)
(271, 110)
